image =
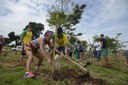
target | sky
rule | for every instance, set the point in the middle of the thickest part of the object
(107, 17)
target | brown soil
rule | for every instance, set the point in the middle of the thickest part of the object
(77, 76)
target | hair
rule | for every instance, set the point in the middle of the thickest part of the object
(30, 26)
(48, 33)
(102, 35)
(59, 31)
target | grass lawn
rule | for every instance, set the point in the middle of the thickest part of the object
(11, 74)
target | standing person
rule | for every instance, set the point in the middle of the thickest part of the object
(76, 51)
(36, 48)
(81, 50)
(97, 46)
(70, 50)
(62, 41)
(126, 55)
(104, 51)
(25, 37)
(1, 43)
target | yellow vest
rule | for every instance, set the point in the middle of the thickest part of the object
(62, 41)
(28, 37)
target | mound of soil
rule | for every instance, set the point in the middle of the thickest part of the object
(78, 77)
(110, 66)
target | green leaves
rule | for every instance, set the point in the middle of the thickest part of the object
(37, 29)
(79, 34)
(11, 35)
(56, 18)
(66, 14)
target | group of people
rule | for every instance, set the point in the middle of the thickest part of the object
(36, 47)
(79, 50)
(101, 48)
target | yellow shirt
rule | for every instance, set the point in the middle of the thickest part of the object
(28, 37)
(62, 41)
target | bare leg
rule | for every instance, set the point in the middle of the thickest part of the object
(21, 60)
(69, 63)
(40, 61)
(40, 57)
(80, 55)
(106, 60)
(29, 61)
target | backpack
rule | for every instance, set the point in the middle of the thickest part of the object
(23, 33)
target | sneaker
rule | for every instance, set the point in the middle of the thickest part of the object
(29, 75)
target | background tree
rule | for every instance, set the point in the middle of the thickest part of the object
(37, 29)
(6, 40)
(13, 37)
(72, 40)
(67, 15)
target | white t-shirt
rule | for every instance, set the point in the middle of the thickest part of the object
(97, 45)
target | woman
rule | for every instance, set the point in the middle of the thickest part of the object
(36, 48)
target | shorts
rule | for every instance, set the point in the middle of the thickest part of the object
(104, 52)
(30, 47)
(61, 49)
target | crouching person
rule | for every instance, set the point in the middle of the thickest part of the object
(62, 41)
(36, 48)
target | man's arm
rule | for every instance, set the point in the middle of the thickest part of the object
(66, 45)
(95, 45)
(50, 45)
(66, 49)
(101, 44)
(41, 43)
(21, 38)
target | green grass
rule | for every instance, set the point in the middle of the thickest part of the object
(113, 77)
(12, 75)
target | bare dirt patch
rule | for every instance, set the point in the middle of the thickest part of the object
(77, 76)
